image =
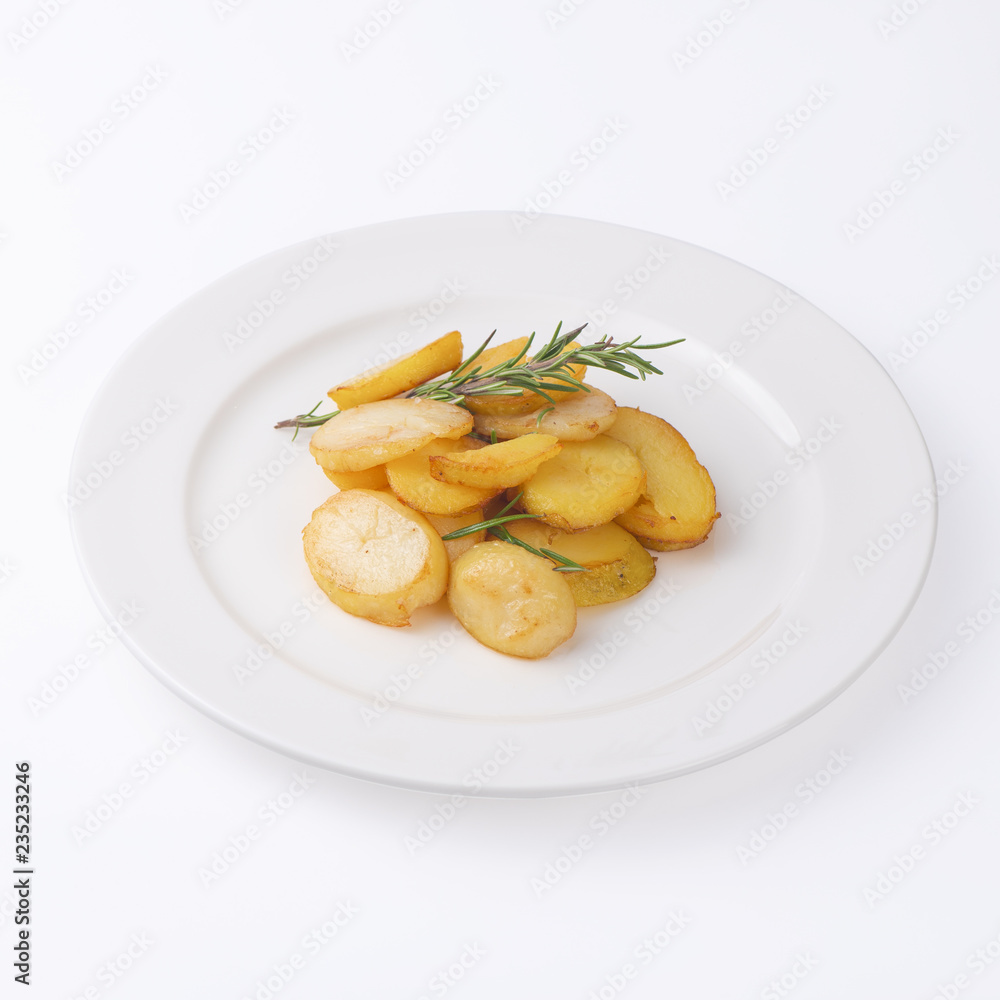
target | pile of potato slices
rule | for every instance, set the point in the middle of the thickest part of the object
(603, 484)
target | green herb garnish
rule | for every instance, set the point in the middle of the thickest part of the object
(547, 371)
(495, 527)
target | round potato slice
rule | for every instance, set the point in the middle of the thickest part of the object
(368, 479)
(446, 525)
(495, 466)
(511, 600)
(410, 479)
(525, 401)
(374, 557)
(383, 381)
(677, 509)
(616, 565)
(375, 433)
(588, 483)
(580, 416)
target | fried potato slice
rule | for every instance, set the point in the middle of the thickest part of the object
(444, 525)
(580, 416)
(498, 353)
(588, 483)
(374, 557)
(371, 434)
(406, 372)
(489, 358)
(677, 508)
(368, 479)
(410, 479)
(617, 566)
(524, 401)
(511, 600)
(496, 466)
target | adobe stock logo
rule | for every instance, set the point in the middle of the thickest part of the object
(711, 30)
(368, 31)
(226, 7)
(88, 310)
(932, 835)
(957, 298)
(561, 14)
(204, 195)
(627, 285)
(581, 159)
(782, 985)
(913, 170)
(455, 118)
(446, 979)
(114, 968)
(786, 127)
(893, 531)
(898, 17)
(123, 106)
(31, 25)
(132, 439)
(573, 853)
(661, 941)
(805, 791)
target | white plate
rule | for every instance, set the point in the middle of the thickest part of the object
(197, 504)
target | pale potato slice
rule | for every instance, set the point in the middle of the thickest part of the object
(580, 416)
(496, 466)
(410, 479)
(446, 525)
(677, 509)
(375, 433)
(368, 479)
(374, 557)
(588, 483)
(524, 401)
(617, 566)
(511, 600)
(406, 372)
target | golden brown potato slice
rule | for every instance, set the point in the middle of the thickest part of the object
(511, 600)
(524, 401)
(410, 479)
(372, 434)
(496, 466)
(520, 403)
(499, 353)
(677, 509)
(588, 483)
(407, 372)
(374, 557)
(368, 479)
(580, 416)
(446, 525)
(617, 566)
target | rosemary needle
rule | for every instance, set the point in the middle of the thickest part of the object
(495, 526)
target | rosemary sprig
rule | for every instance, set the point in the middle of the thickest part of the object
(501, 518)
(547, 371)
(474, 529)
(565, 565)
(495, 527)
(310, 419)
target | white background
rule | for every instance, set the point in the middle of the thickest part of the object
(804, 915)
